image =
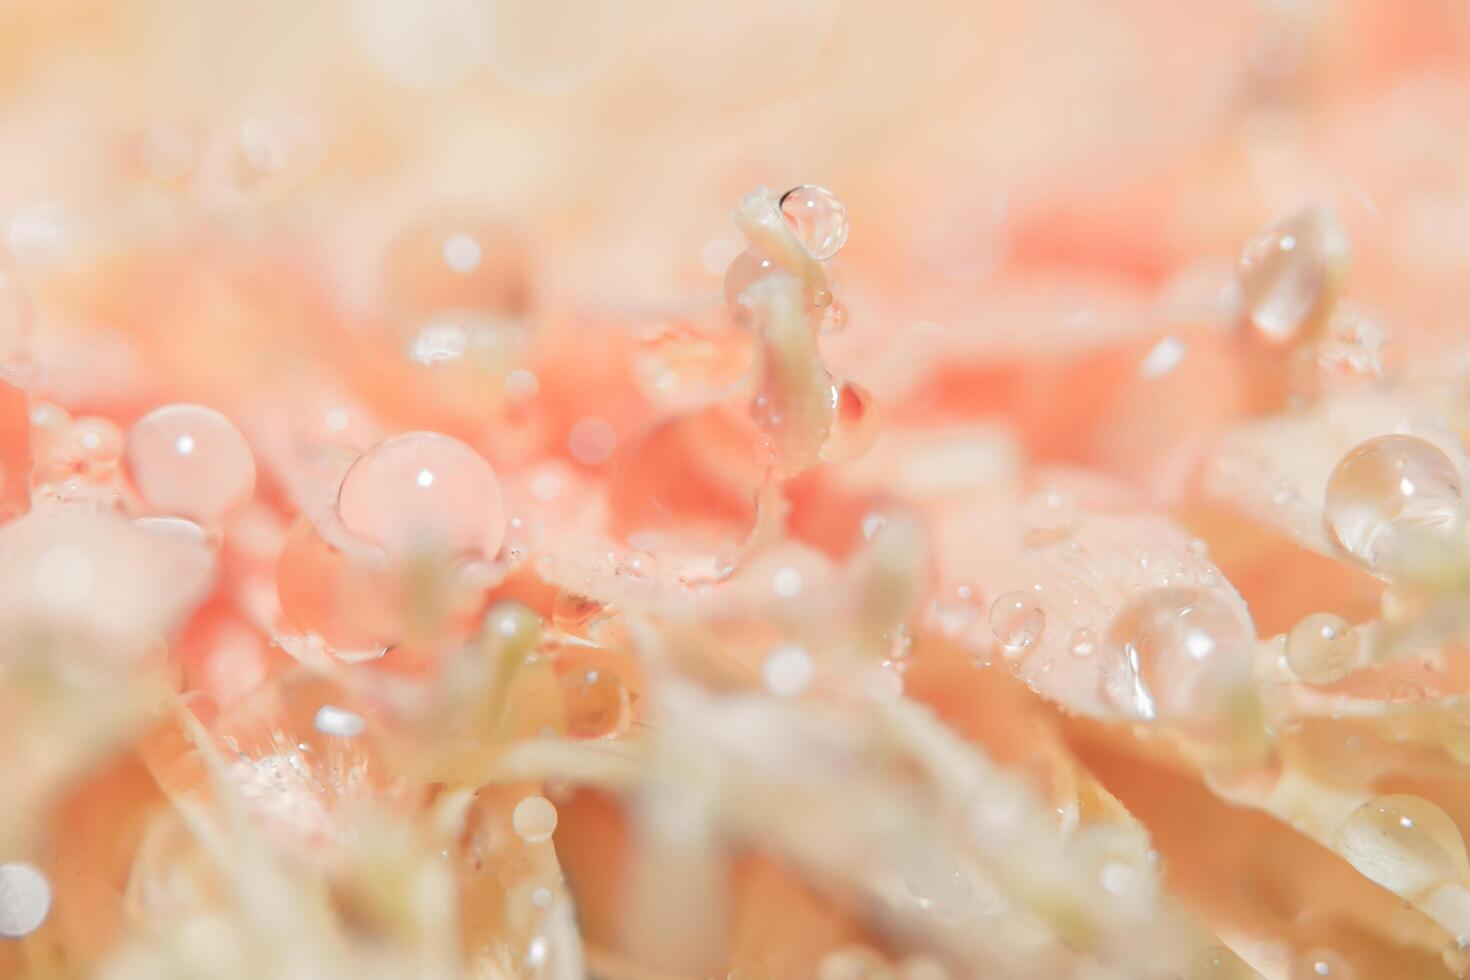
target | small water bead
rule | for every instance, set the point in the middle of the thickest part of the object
(1083, 642)
(788, 671)
(450, 261)
(534, 819)
(25, 899)
(596, 703)
(1016, 620)
(1050, 515)
(834, 317)
(190, 461)
(855, 423)
(1184, 655)
(817, 218)
(1289, 272)
(94, 441)
(1321, 964)
(1404, 843)
(747, 268)
(1389, 493)
(1322, 648)
(954, 611)
(423, 489)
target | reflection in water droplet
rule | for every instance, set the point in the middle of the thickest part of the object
(596, 703)
(1181, 655)
(1404, 843)
(747, 268)
(1017, 621)
(190, 461)
(1289, 272)
(1322, 648)
(1049, 516)
(423, 490)
(817, 218)
(1389, 493)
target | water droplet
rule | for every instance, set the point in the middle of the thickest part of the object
(330, 720)
(1289, 272)
(1083, 642)
(1049, 516)
(25, 898)
(423, 489)
(541, 898)
(1389, 493)
(1183, 655)
(190, 461)
(834, 317)
(954, 612)
(817, 218)
(591, 441)
(1404, 843)
(575, 613)
(855, 423)
(1017, 621)
(747, 268)
(596, 703)
(788, 671)
(534, 819)
(1322, 648)
(1316, 964)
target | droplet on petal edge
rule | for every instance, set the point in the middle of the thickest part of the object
(817, 218)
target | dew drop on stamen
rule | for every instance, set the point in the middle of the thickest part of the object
(190, 461)
(1404, 843)
(746, 269)
(1322, 648)
(534, 819)
(1287, 273)
(423, 490)
(1389, 493)
(817, 218)
(1016, 621)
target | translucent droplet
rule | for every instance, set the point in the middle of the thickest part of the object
(1322, 648)
(591, 441)
(1321, 964)
(746, 269)
(1404, 843)
(25, 898)
(788, 671)
(1083, 642)
(331, 720)
(534, 819)
(817, 218)
(954, 611)
(451, 261)
(855, 423)
(596, 703)
(94, 441)
(190, 461)
(1389, 493)
(834, 317)
(423, 490)
(1289, 272)
(575, 613)
(1049, 516)
(1016, 620)
(1182, 656)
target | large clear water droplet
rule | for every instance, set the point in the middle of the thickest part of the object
(1287, 273)
(817, 218)
(1389, 493)
(1322, 648)
(190, 461)
(1181, 654)
(1017, 621)
(424, 490)
(744, 271)
(1404, 843)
